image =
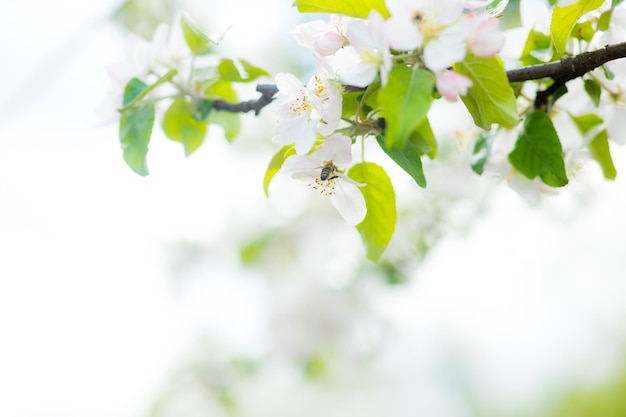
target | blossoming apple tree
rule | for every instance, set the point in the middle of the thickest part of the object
(381, 65)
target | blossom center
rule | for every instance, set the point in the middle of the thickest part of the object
(301, 103)
(319, 87)
(325, 183)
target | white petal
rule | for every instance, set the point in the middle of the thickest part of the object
(349, 202)
(301, 163)
(402, 34)
(359, 36)
(306, 34)
(288, 85)
(337, 148)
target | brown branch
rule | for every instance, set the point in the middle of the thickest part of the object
(570, 67)
(267, 95)
(560, 71)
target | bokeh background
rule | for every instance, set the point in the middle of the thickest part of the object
(189, 293)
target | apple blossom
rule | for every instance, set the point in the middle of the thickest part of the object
(451, 84)
(368, 52)
(305, 112)
(321, 171)
(324, 38)
(487, 40)
(414, 22)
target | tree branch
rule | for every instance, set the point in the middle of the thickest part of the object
(560, 71)
(570, 67)
(267, 95)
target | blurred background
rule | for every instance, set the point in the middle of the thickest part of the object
(189, 293)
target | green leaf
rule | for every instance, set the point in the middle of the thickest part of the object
(421, 142)
(231, 122)
(424, 139)
(600, 151)
(228, 71)
(599, 145)
(593, 90)
(537, 50)
(203, 108)
(538, 151)
(223, 90)
(481, 152)
(354, 8)
(564, 19)
(196, 39)
(408, 158)
(586, 122)
(379, 223)
(133, 89)
(136, 89)
(275, 164)
(584, 31)
(405, 100)
(180, 125)
(135, 131)
(253, 72)
(605, 20)
(490, 99)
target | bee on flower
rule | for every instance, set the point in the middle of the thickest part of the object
(322, 172)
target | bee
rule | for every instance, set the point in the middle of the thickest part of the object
(328, 172)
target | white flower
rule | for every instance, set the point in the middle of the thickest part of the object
(324, 38)
(305, 112)
(487, 40)
(368, 53)
(323, 174)
(414, 21)
(451, 84)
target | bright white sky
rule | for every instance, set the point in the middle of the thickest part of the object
(88, 321)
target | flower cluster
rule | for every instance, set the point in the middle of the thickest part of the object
(357, 52)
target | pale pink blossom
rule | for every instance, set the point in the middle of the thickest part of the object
(325, 38)
(451, 84)
(487, 40)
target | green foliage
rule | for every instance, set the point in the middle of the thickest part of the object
(564, 19)
(354, 8)
(538, 151)
(600, 151)
(221, 89)
(605, 20)
(421, 142)
(197, 41)
(481, 152)
(135, 131)
(275, 164)
(593, 90)
(599, 145)
(490, 99)
(230, 122)
(228, 71)
(180, 125)
(380, 221)
(537, 49)
(405, 99)
(136, 90)
(133, 90)
(584, 31)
